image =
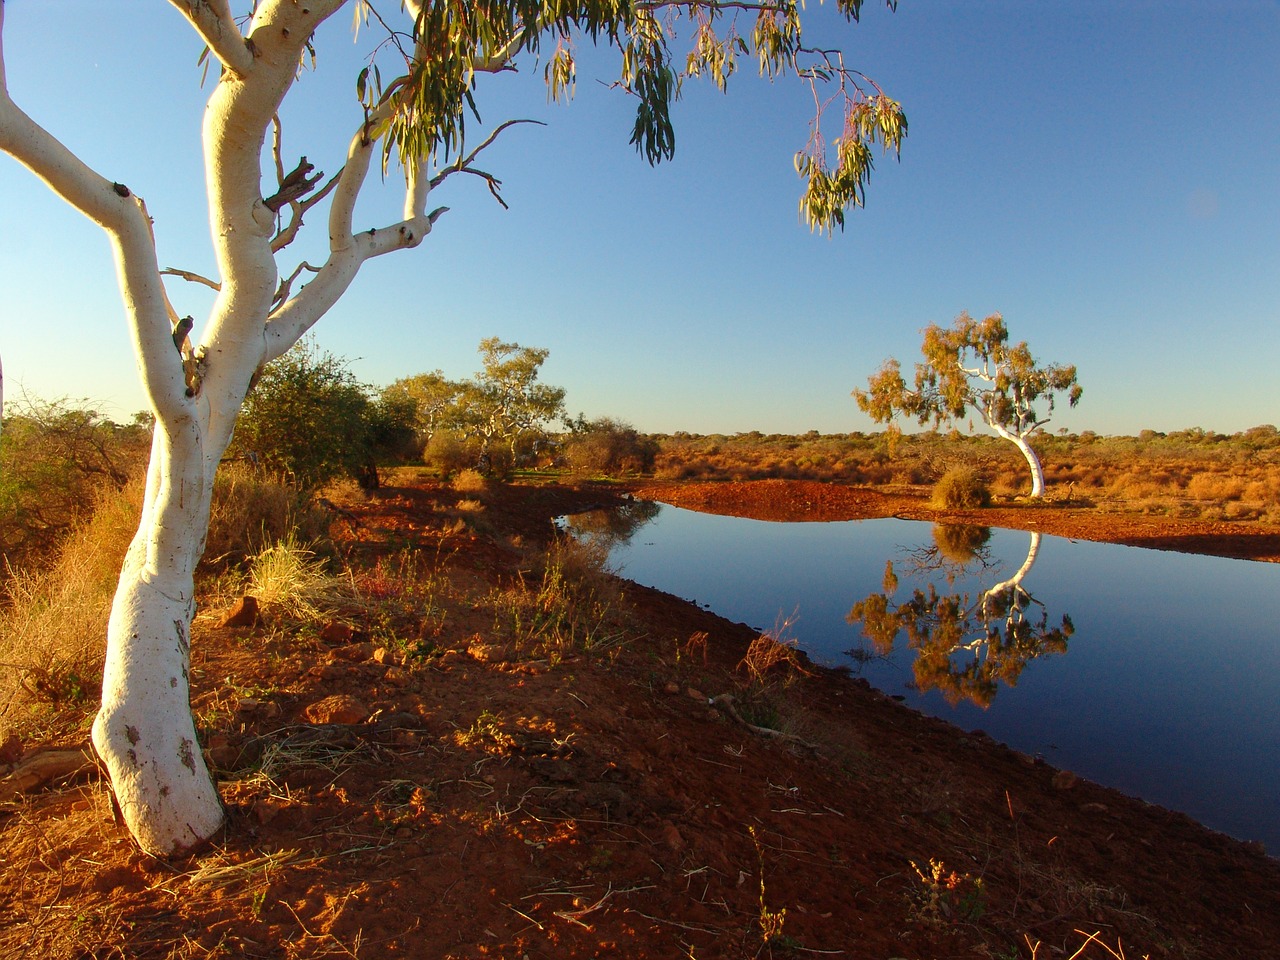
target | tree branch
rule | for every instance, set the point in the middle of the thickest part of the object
(212, 19)
(282, 294)
(464, 163)
(113, 207)
(293, 186)
(191, 277)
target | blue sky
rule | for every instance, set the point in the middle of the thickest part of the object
(1106, 175)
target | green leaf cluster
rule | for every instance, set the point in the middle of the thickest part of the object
(422, 114)
(503, 404)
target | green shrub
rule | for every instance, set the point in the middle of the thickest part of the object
(309, 419)
(961, 488)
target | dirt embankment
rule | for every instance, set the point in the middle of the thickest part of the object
(452, 795)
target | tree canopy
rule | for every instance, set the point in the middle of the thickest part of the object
(971, 367)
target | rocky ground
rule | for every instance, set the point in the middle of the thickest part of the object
(653, 788)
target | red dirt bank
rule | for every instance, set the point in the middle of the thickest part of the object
(488, 805)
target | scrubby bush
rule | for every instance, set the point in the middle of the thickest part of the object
(608, 447)
(961, 488)
(55, 459)
(448, 453)
(53, 624)
(251, 510)
(310, 420)
(469, 481)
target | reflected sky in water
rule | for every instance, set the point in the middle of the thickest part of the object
(1169, 689)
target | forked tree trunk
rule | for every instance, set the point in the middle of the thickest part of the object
(144, 732)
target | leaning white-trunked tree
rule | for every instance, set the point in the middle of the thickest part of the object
(144, 732)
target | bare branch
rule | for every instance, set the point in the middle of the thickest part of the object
(217, 27)
(191, 277)
(295, 184)
(299, 209)
(282, 292)
(464, 163)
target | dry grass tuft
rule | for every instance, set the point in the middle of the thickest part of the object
(288, 576)
(469, 481)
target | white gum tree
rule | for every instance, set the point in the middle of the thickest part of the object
(196, 377)
(971, 367)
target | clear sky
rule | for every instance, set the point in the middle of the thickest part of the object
(1106, 175)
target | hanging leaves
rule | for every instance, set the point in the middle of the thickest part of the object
(424, 112)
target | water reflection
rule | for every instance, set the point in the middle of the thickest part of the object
(613, 527)
(965, 645)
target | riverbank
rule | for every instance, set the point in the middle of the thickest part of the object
(450, 787)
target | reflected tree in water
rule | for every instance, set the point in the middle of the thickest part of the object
(965, 646)
(612, 527)
(956, 548)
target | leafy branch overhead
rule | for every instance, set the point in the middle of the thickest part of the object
(422, 114)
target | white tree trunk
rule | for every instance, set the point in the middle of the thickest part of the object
(1033, 550)
(1033, 461)
(144, 732)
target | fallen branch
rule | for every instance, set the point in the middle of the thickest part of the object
(725, 703)
(40, 769)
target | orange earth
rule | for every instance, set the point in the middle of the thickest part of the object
(483, 802)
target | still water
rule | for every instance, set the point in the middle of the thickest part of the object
(1162, 681)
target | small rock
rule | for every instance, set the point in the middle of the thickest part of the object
(492, 652)
(1064, 780)
(672, 838)
(693, 693)
(337, 709)
(329, 671)
(267, 809)
(336, 632)
(383, 655)
(222, 753)
(671, 688)
(248, 705)
(270, 710)
(355, 652)
(396, 676)
(11, 750)
(243, 613)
